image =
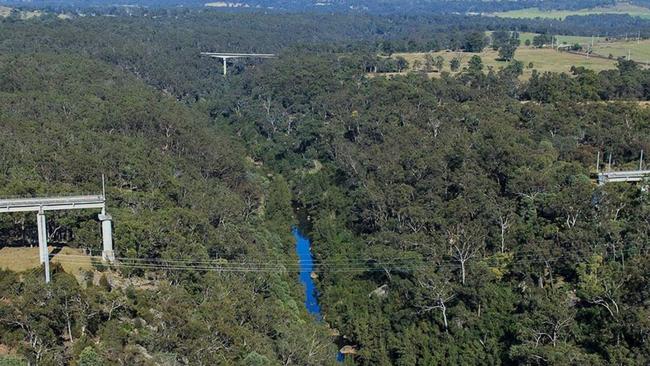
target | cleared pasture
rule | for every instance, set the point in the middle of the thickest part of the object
(622, 8)
(5, 11)
(639, 50)
(542, 59)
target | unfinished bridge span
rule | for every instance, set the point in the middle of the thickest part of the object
(41, 205)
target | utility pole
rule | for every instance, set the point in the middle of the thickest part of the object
(609, 166)
(641, 161)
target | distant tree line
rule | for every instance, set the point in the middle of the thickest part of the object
(366, 6)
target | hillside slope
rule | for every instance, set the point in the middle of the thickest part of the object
(177, 189)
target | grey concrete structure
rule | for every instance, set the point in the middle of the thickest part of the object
(107, 236)
(41, 205)
(623, 176)
(226, 55)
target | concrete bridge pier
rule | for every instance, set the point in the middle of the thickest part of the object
(44, 254)
(107, 237)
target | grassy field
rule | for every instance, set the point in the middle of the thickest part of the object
(639, 50)
(21, 259)
(5, 11)
(523, 36)
(621, 8)
(30, 14)
(543, 59)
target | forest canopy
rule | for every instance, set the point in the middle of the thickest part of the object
(454, 220)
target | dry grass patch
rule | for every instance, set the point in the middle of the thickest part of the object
(542, 59)
(20, 259)
(5, 11)
(620, 8)
(24, 15)
(639, 51)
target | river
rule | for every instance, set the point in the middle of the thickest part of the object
(303, 249)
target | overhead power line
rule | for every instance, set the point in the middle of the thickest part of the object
(327, 262)
(352, 266)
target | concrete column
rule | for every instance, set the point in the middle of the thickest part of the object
(47, 270)
(42, 237)
(107, 237)
(44, 254)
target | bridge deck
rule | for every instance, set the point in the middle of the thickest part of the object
(51, 203)
(229, 54)
(623, 176)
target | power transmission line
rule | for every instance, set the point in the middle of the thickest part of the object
(297, 262)
(273, 264)
(350, 266)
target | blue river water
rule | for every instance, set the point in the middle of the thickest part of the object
(303, 249)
